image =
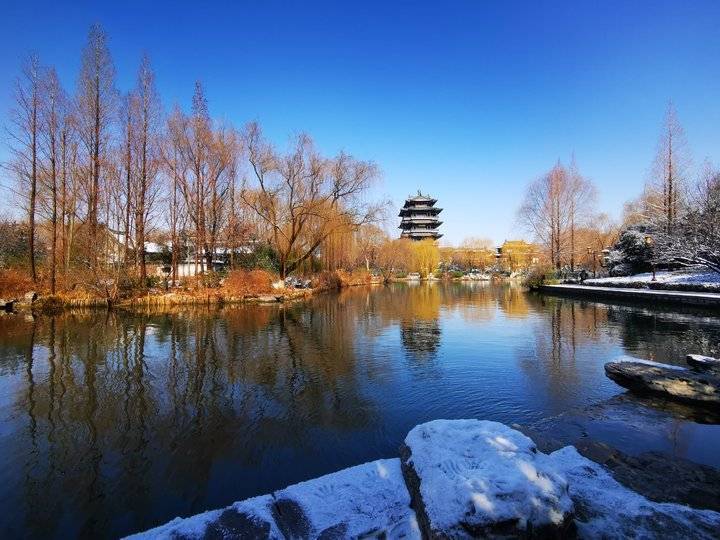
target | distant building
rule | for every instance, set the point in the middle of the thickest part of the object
(420, 218)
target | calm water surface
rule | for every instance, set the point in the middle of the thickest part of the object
(111, 423)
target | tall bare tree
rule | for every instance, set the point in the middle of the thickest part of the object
(148, 124)
(552, 208)
(53, 113)
(96, 100)
(581, 193)
(24, 133)
(667, 184)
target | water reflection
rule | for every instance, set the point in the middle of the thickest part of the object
(113, 422)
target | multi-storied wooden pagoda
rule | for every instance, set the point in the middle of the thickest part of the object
(420, 218)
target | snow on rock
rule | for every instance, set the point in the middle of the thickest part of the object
(626, 358)
(251, 518)
(366, 500)
(605, 508)
(703, 362)
(471, 478)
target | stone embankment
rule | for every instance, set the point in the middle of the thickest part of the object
(455, 479)
(703, 299)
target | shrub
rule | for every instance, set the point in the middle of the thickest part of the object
(240, 282)
(539, 276)
(211, 280)
(14, 283)
(327, 281)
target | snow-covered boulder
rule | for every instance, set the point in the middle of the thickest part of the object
(669, 381)
(369, 500)
(251, 518)
(473, 478)
(605, 508)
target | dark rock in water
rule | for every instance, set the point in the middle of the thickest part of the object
(604, 508)
(479, 479)
(648, 473)
(676, 383)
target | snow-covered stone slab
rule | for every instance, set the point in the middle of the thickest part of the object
(251, 518)
(632, 359)
(703, 362)
(681, 384)
(605, 508)
(368, 500)
(472, 478)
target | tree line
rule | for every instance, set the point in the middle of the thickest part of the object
(99, 172)
(674, 222)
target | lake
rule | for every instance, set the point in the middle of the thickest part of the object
(114, 422)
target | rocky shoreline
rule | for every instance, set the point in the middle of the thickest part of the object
(473, 478)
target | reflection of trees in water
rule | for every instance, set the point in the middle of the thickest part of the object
(126, 415)
(665, 336)
(566, 328)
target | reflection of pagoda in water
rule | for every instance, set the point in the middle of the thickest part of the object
(420, 218)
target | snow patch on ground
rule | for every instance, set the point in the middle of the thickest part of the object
(483, 473)
(607, 509)
(710, 280)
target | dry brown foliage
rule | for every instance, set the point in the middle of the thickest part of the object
(14, 283)
(248, 282)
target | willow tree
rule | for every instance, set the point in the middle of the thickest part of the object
(302, 198)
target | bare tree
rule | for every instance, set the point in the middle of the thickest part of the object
(666, 187)
(202, 159)
(303, 198)
(553, 207)
(148, 121)
(96, 98)
(53, 112)
(581, 193)
(369, 238)
(24, 135)
(695, 238)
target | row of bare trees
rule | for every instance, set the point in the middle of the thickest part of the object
(100, 172)
(555, 206)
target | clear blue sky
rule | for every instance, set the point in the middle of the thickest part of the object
(468, 101)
